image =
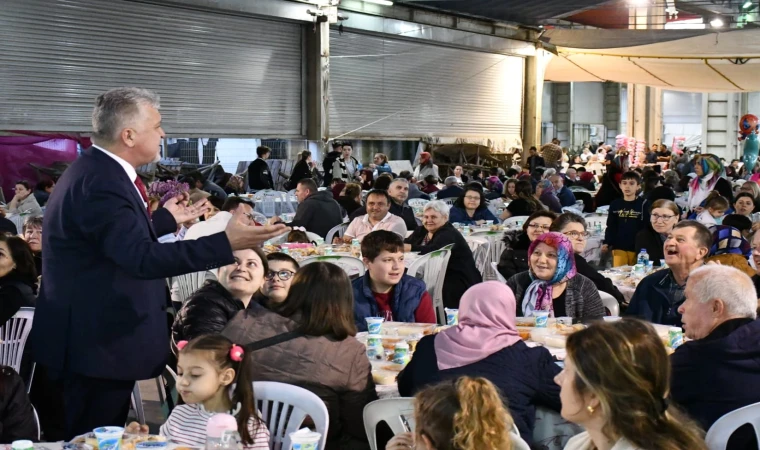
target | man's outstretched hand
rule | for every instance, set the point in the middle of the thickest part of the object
(182, 212)
(242, 235)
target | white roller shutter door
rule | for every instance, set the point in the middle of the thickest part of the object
(216, 74)
(384, 87)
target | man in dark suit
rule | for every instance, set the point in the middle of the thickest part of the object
(259, 175)
(100, 323)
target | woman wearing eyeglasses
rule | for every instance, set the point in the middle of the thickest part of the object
(514, 258)
(663, 216)
(574, 227)
(470, 208)
(553, 284)
(208, 309)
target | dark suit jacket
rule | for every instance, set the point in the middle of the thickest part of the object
(100, 312)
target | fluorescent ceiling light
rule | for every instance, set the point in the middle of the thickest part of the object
(747, 4)
(638, 2)
(380, 2)
(716, 22)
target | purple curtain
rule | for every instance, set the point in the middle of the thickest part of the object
(16, 152)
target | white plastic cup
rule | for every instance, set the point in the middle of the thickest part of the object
(452, 316)
(542, 318)
(611, 318)
(22, 445)
(304, 441)
(109, 438)
(374, 324)
(489, 223)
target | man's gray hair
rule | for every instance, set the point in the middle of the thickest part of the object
(118, 108)
(549, 172)
(400, 180)
(450, 181)
(727, 284)
(438, 206)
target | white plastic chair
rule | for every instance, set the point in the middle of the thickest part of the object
(337, 230)
(14, 334)
(435, 264)
(592, 220)
(719, 433)
(284, 407)
(392, 411)
(354, 267)
(515, 221)
(37, 421)
(495, 249)
(499, 276)
(417, 202)
(610, 303)
(189, 283)
(480, 248)
(313, 237)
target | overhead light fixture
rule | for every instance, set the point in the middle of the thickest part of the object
(716, 22)
(747, 5)
(380, 2)
(639, 3)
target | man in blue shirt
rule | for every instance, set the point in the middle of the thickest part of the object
(565, 195)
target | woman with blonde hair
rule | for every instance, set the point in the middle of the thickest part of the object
(616, 384)
(467, 414)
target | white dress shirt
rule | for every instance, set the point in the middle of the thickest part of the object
(131, 172)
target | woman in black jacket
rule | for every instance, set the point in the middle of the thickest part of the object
(663, 216)
(351, 200)
(514, 258)
(209, 309)
(301, 170)
(574, 227)
(18, 276)
(610, 189)
(435, 233)
(17, 420)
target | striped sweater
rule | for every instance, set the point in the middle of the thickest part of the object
(186, 425)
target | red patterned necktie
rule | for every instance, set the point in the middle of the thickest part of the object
(143, 192)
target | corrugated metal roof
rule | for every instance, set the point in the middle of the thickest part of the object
(520, 11)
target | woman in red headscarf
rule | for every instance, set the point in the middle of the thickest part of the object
(426, 167)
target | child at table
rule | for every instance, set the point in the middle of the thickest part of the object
(625, 220)
(715, 209)
(212, 377)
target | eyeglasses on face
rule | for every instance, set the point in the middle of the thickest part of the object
(538, 226)
(283, 275)
(657, 217)
(577, 234)
(469, 197)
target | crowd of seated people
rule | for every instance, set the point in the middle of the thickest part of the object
(479, 372)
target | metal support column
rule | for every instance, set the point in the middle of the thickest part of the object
(317, 49)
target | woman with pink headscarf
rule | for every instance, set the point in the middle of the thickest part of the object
(486, 344)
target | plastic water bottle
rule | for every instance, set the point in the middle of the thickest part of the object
(356, 248)
(643, 258)
(220, 432)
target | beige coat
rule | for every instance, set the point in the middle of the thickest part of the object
(337, 371)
